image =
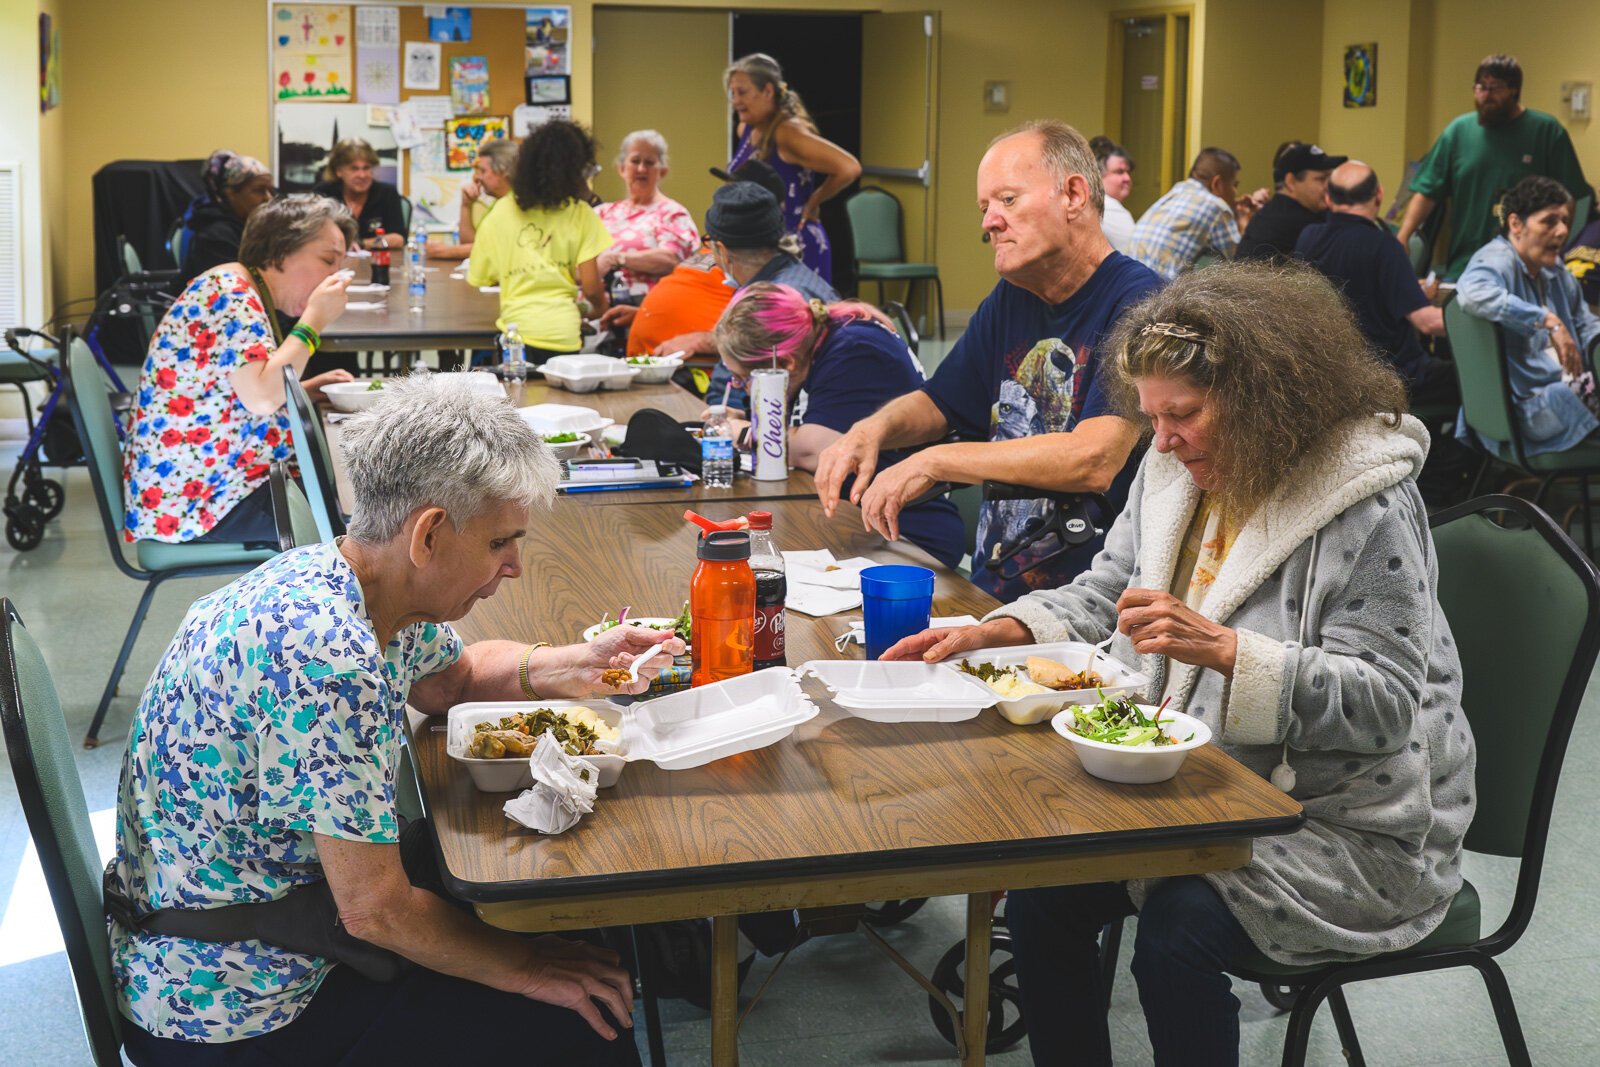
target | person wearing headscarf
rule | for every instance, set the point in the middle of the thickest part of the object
(235, 186)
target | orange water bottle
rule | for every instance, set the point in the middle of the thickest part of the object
(722, 602)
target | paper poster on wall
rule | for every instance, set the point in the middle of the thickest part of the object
(380, 114)
(527, 116)
(454, 25)
(463, 136)
(469, 85)
(311, 49)
(428, 155)
(549, 89)
(305, 135)
(403, 127)
(378, 55)
(49, 63)
(422, 65)
(546, 45)
(436, 198)
(1361, 75)
(431, 112)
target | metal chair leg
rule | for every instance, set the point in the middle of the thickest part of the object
(93, 737)
(1347, 1028)
(1505, 1011)
(938, 288)
(1477, 479)
(1297, 1041)
(652, 1009)
(1110, 946)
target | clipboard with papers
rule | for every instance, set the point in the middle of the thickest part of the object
(603, 475)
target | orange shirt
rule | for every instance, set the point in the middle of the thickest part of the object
(691, 298)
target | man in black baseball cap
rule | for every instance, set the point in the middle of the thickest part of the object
(1300, 173)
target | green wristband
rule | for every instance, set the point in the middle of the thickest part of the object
(306, 334)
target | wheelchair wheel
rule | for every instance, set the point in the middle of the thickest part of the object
(889, 912)
(1005, 1011)
(24, 528)
(1281, 997)
(46, 496)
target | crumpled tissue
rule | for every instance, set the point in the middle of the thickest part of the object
(563, 790)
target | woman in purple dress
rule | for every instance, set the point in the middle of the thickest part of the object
(813, 168)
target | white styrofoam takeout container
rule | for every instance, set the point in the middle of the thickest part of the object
(563, 418)
(1136, 766)
(658, 370)
(585, 374)
(1121, 680)
(697, 726)
(568, 449)
(513, 774)
(478, 381)
(352, 396)
(901, 691)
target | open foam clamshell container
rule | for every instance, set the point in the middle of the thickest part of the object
(1120, 679)
(547, 419)
(585, 374)
(697, 726)
(513, 774)
(901, 691)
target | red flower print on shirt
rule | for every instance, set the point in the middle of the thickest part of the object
(207, 520)
(181, 406)
(192, 489)
(166, 378)
(170, 437)
(272, 437)
(151, 497)
(198, 436)
(166, 525)
(222, 446)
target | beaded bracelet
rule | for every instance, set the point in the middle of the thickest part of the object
(308, 336)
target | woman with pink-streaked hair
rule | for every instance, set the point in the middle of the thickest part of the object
(845, 362)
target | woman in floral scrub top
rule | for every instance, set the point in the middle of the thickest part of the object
(652, 233)
(813, 169)
(209, 420)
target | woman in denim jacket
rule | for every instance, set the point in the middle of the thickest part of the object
(1517, 280)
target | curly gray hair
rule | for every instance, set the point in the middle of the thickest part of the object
(652, 138)
(430, 442)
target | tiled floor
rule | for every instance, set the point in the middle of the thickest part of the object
(837, 1001)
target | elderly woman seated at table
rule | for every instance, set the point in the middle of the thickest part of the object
(844, 361)
(652, 231)
(1274, 575)
(542, 249)
(214, 222)
(490, 181)
(263, 762)
(351, 179)
(208, 420)
(1518, 281)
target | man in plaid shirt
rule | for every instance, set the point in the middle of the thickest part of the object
(1202, 213)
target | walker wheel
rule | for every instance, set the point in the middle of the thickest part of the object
(1006, 1026)
(24, 528)
(46, 496)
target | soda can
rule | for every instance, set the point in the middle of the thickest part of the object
(769, 424)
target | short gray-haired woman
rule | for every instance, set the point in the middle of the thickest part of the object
(651, 232)
(491, 180)
(1274, 575)
(262, 764)
(208, 419)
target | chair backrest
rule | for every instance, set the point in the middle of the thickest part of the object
(1206, 259)
(58, 818)
(406, 211)
(874, 215)
(178, 241)
(291, 511)
(1479, 351)
(902, 321)
(1420, 253)
(90, 401)
(131, 263)
(1523, 604)
(316, 462)
(1580, 212)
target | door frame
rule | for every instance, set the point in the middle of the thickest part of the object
(1170, 167)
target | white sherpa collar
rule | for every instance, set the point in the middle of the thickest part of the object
(1358, 459)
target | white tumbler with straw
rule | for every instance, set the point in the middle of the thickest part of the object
(769, 423)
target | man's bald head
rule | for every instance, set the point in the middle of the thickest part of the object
(1353, 184)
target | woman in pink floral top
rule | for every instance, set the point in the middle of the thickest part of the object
(209, 420)
(652, 233)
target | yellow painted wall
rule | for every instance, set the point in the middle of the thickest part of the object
(19, 140)
(1375, 135)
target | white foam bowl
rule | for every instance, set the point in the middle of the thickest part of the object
(901, 691)
(478, 381)
(655, 622)
(1136, 766)
(1121, 680)
(569, 449)
(562, 418)
(513, 774)
(352, 396)
(657, 371)
(585, 374)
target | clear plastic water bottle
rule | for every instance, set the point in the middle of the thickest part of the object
(513, 355)
(417, 289)
(416, 252)
(716, 449)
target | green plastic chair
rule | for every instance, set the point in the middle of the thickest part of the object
(875, 227)
(1206, 259)
(314, 458)
(902, 322)
(291, 512)
(178, 241)
(156, 561)
(1580, 212)
(1479, 349)
(58, 818)
(1514, 591)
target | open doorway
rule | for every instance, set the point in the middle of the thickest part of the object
(1147, 97)
(821, 60)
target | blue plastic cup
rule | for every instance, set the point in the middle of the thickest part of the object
(896, 602)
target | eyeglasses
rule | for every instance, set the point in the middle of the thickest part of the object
(1491, 88)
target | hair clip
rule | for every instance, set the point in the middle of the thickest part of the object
(1172, 329)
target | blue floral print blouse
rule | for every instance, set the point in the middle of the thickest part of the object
(274, 715)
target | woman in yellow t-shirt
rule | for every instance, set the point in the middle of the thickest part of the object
(539, 244)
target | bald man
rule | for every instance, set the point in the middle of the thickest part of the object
(1359, 255)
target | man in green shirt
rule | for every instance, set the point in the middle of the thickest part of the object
(1482, 154)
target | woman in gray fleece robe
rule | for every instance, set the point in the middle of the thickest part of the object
(1315, 650)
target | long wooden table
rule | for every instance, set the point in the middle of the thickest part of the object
(841, 812)
(458, 315)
